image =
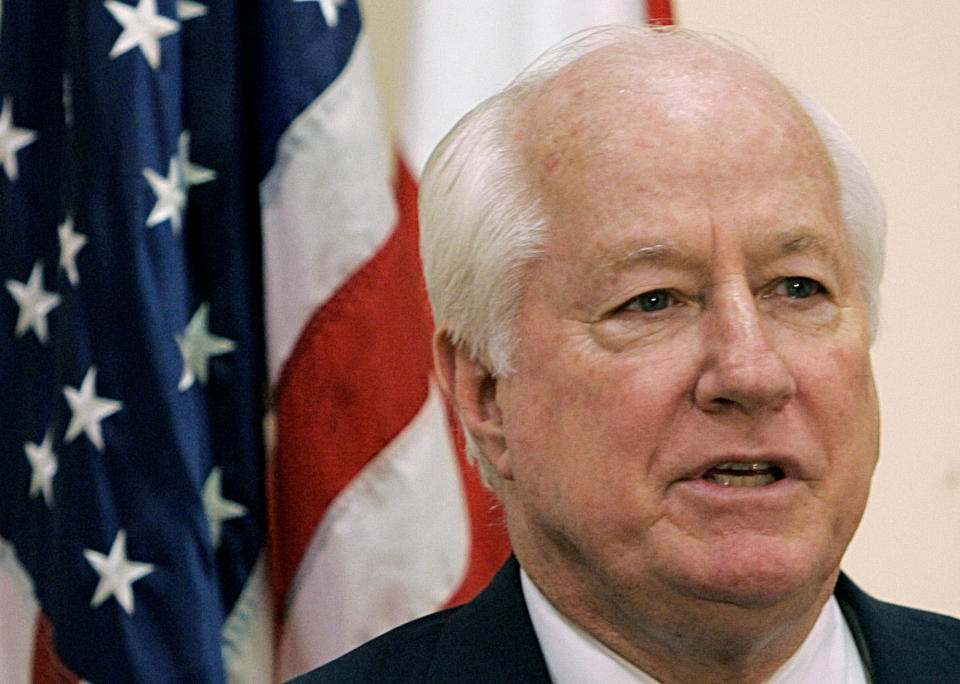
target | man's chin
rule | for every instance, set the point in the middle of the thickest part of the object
(762, 579)
(760, 594)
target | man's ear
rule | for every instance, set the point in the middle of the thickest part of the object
(473, 390)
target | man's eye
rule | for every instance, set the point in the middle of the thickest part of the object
(655, 300)
(799, 287)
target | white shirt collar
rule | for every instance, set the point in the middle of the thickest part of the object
(828, 655)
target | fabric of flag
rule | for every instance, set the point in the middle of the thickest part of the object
(376, 517)
(133, 138)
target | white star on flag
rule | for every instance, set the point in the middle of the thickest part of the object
(12, 139)
(197, 345)
(171, 196)
(187, 9)
(330, 9)
(216, 507)
(142, 27)
(117, 574)
(70, 244)
(43, 463)
(88, 410)
(192, 174)
(34, 302)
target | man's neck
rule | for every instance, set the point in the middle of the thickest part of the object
(829, 654)
(687, 638)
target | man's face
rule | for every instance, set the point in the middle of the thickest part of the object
(693, 412)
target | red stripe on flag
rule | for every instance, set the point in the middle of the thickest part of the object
(357, 376)
(659, 13)
(47, 667)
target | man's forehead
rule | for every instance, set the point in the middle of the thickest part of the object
(659, 83)
(658, 117)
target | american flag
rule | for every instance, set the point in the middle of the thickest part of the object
(199, 222)
(134, 135)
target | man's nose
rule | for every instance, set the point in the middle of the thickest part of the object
(742, 370)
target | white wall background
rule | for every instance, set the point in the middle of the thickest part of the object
(890, 72)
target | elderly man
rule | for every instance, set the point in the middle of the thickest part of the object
(654, 272)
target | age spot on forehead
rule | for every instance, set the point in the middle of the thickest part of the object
(552, 161)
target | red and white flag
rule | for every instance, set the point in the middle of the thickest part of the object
(375, 517)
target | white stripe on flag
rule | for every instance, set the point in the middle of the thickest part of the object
(18, 618)
(393, 546)
(249, 631)
(462, 51)
(327, 203)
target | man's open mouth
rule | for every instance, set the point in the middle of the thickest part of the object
(744, 474)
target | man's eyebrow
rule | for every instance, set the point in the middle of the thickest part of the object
(824, 246)
(658, 253)
(792, 243)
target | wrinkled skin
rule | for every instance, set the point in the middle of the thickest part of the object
(696, 304)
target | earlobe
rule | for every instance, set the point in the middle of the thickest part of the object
(472, 388)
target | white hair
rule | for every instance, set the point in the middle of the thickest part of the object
(482, 224)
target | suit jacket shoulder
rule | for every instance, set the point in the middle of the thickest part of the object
(901, 645)
(490, 639)
(401, 655)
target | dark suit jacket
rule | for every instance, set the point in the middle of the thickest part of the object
(491, 640)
